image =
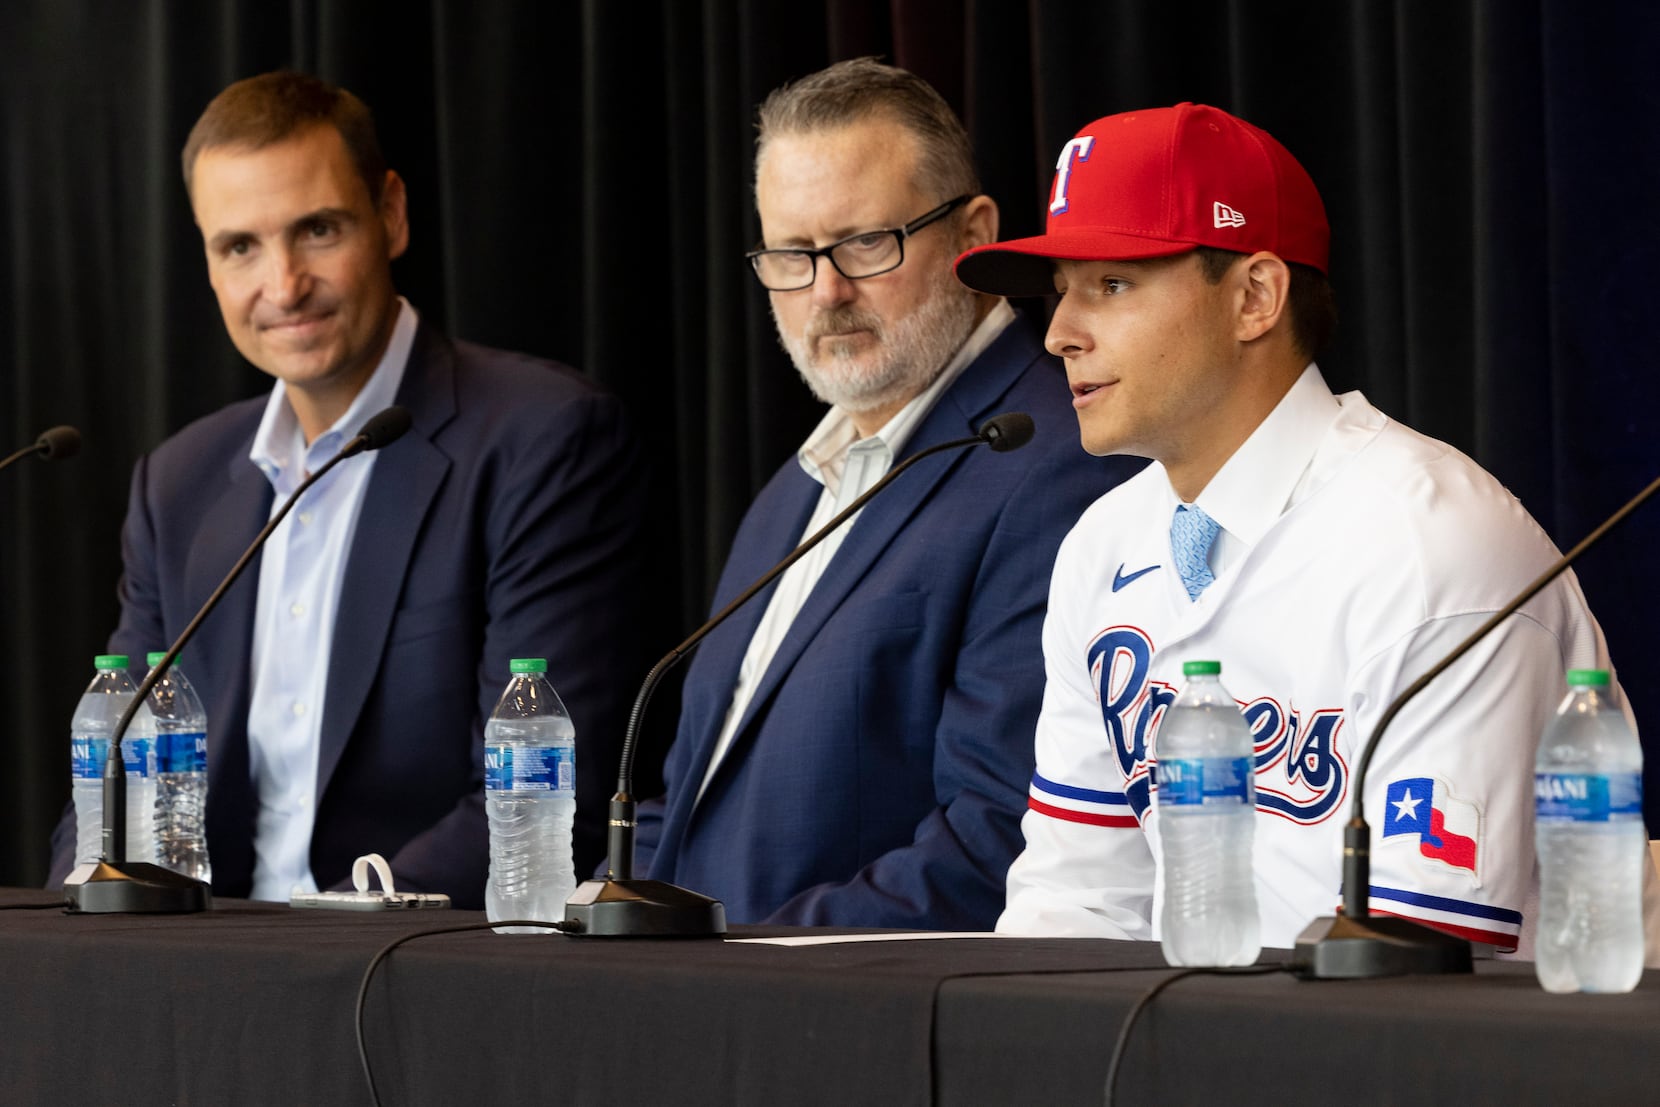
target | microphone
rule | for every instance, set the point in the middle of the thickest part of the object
(115, 885)
(52, 445)
(381, 429)
(1007, 432)
(620, 906)
(1356, 944)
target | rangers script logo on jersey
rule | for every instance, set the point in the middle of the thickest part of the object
(1301, 776)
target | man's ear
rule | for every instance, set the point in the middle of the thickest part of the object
(1263, 290)
(980, 222)
(394, 215)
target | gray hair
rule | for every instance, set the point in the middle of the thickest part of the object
(861, 89)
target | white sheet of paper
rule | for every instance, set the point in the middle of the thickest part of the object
(833, 939)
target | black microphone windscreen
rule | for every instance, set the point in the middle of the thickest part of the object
(385, 427)
(59, 443)
(1009, 431)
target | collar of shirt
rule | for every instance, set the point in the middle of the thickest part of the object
(1266, 475)
(279, 447)
(824, 455)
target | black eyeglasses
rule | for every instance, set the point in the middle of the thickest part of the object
(868, 254)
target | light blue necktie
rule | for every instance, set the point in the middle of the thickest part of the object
(1191, 535)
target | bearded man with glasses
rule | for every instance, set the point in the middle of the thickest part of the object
(855, 746)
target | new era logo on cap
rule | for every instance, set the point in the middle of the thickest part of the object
(1146, 184)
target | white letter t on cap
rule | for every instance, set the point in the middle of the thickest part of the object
(1078, 149)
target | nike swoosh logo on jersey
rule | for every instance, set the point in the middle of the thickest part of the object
(1120, 579)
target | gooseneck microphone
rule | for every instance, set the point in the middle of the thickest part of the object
(52, 445)
(115, 885)
(1356, 943)
(620, 906)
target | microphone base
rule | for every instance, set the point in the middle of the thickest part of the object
(1343, 948)
(642, 909)
(133, 888)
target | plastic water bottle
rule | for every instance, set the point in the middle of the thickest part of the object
(530, 795)
(111, 690)
(1207, 814)
(181, 773)
(1588, 828)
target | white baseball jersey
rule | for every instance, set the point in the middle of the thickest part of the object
(1355, 554)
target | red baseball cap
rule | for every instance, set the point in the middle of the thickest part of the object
(1149, 184)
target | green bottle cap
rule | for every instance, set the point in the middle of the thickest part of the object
(1201, 668)
(528, 665)
(1587, 678)
(153, 658)
(109, 661)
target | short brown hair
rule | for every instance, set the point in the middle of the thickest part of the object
(1311, 301)
(263, 110)
(863, 88)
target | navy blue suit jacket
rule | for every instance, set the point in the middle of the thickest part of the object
(880, 772)
(505, 524)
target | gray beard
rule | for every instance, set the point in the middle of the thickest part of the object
(912, 353)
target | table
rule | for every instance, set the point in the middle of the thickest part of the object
(253, 1004)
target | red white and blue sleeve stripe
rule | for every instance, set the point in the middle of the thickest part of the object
(1476, 922)
(1079, 805)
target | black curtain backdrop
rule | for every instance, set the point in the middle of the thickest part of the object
(579, 188)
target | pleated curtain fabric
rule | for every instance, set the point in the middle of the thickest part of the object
(580, 187)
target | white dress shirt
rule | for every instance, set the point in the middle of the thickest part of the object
(847, 466)
(1269, 474)
(299, 590)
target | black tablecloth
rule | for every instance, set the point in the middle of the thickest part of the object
(253, 1004)
(1494, 1038)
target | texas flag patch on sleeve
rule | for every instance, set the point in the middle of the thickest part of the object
(1448, 830)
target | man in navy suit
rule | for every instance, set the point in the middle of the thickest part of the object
(348, 678)
(855, 746)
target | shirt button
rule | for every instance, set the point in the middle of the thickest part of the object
(299, 709)
(305, 518)
(296, 609)
(305, 803)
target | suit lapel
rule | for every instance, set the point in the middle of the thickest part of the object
(401, 490)
(957, 414)
(786, 513)
(220, 650)
(782, 510)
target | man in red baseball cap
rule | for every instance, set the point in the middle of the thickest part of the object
(1325, 554)
(1198, 203)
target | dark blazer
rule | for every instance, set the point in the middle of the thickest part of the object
(880, 772)
(505, 524)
